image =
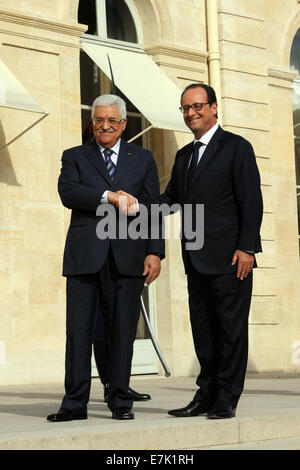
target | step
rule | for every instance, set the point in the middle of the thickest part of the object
(268, 410)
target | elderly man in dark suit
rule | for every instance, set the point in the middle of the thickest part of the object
(99, 262)
(218, 169)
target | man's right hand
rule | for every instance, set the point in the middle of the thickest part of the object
(245, 263)
(123, 201)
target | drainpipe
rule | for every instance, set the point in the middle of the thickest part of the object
(214, 59)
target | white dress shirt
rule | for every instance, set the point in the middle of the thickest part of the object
(114, 157)
(205, 141)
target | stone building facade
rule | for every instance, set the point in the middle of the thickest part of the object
(248, 51)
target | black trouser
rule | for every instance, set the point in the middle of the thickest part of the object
(219, 310)
(120, 302)
(101, 347)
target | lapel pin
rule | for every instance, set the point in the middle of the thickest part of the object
(129, 153)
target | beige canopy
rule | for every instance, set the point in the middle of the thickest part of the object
(142, 82)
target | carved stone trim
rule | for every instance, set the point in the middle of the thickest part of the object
(177, 52)
(287, 74)
(10, 16)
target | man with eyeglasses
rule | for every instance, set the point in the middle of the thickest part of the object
(105, 266)
(218, 169)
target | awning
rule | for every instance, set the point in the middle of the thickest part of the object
(143, 83)
(14, 95)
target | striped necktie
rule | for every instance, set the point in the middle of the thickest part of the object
(111, 167)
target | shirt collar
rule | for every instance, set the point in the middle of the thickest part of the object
(208, 135)
(115, 148)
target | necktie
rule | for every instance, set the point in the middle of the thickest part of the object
(193, 162)
(111, 167)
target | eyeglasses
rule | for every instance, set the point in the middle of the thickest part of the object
(113, 122)
(195, 107)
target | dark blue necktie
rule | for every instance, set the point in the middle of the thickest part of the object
(193, 162)
(111, 167)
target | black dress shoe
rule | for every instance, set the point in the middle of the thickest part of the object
(135, 396)
(195, 408)
(122, 413)
(66, 415)
(221, 410)
(132, 394)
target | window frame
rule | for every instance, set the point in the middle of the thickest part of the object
(101, 26)
(102, 39)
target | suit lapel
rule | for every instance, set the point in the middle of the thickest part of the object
(124, 160)
(211, 149)
(93, 153)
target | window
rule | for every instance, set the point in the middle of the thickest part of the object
(119, 22)
(295, 65)
(110, 21)
(87, 15)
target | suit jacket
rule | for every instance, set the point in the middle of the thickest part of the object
(82, 181)
(227, 182)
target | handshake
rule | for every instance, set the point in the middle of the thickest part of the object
(126, 203)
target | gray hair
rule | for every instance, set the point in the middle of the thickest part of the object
(110, 100)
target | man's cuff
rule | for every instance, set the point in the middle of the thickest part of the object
(156, 253)
(104, 197)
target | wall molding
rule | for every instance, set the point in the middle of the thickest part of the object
(36, 22)
(283, 74)
(177, 52)
(281, 77)
(232, 12)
